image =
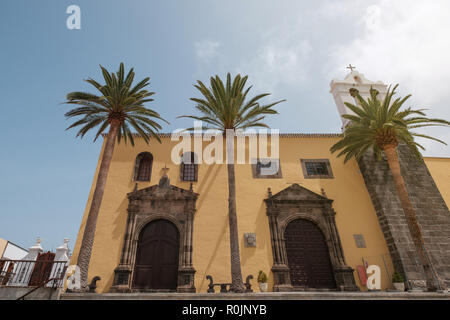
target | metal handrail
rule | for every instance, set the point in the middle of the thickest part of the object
(40, 286)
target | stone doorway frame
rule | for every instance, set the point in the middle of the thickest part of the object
(166, 202)
(296, 202)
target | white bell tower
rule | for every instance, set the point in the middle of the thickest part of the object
(340, 90)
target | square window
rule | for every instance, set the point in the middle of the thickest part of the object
(266, 169)
(316, 169)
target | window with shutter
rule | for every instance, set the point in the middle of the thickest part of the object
(143, 167)
(189, 167)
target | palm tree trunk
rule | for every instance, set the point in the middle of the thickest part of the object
(237, 284)
(89, 231)
(392, 158)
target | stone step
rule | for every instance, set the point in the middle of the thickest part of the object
(385, 295)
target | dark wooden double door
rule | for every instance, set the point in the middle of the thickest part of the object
(308, 256)
(156, 265)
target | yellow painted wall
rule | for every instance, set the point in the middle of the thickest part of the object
(440, 171)
(355, 213)
(3, 244)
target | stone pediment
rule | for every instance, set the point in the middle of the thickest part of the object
(295, 193)
(162, 192)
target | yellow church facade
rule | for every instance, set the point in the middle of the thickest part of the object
(355, 215)
(314, 223)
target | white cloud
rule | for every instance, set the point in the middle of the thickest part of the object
(278, 64)
(206, 50)
(308, 44)
(281, 58)
(406, 42)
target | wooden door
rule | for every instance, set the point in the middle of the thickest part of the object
(42, 268)
(157, 257)
(308, 257)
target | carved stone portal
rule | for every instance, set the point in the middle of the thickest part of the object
(296, 202)
(162, 201)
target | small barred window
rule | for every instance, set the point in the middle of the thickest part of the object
(189, 167)
(316, 169)
(143, 167)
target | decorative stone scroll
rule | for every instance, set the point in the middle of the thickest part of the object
(296, 202)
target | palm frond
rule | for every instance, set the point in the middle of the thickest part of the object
(227, 106)
(117, 99)
(375, 124)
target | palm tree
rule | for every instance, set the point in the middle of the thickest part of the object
(119, 107)
(381, 126)
(226, 108)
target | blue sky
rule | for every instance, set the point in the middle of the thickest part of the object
(290, 48)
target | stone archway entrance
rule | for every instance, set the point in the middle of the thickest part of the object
(308, 258)
(156, 264)
(158, 240)
(290, 237)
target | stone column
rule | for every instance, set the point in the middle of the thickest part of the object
(280, 270)
(122, 273)
(343, 273)
(186, 271)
